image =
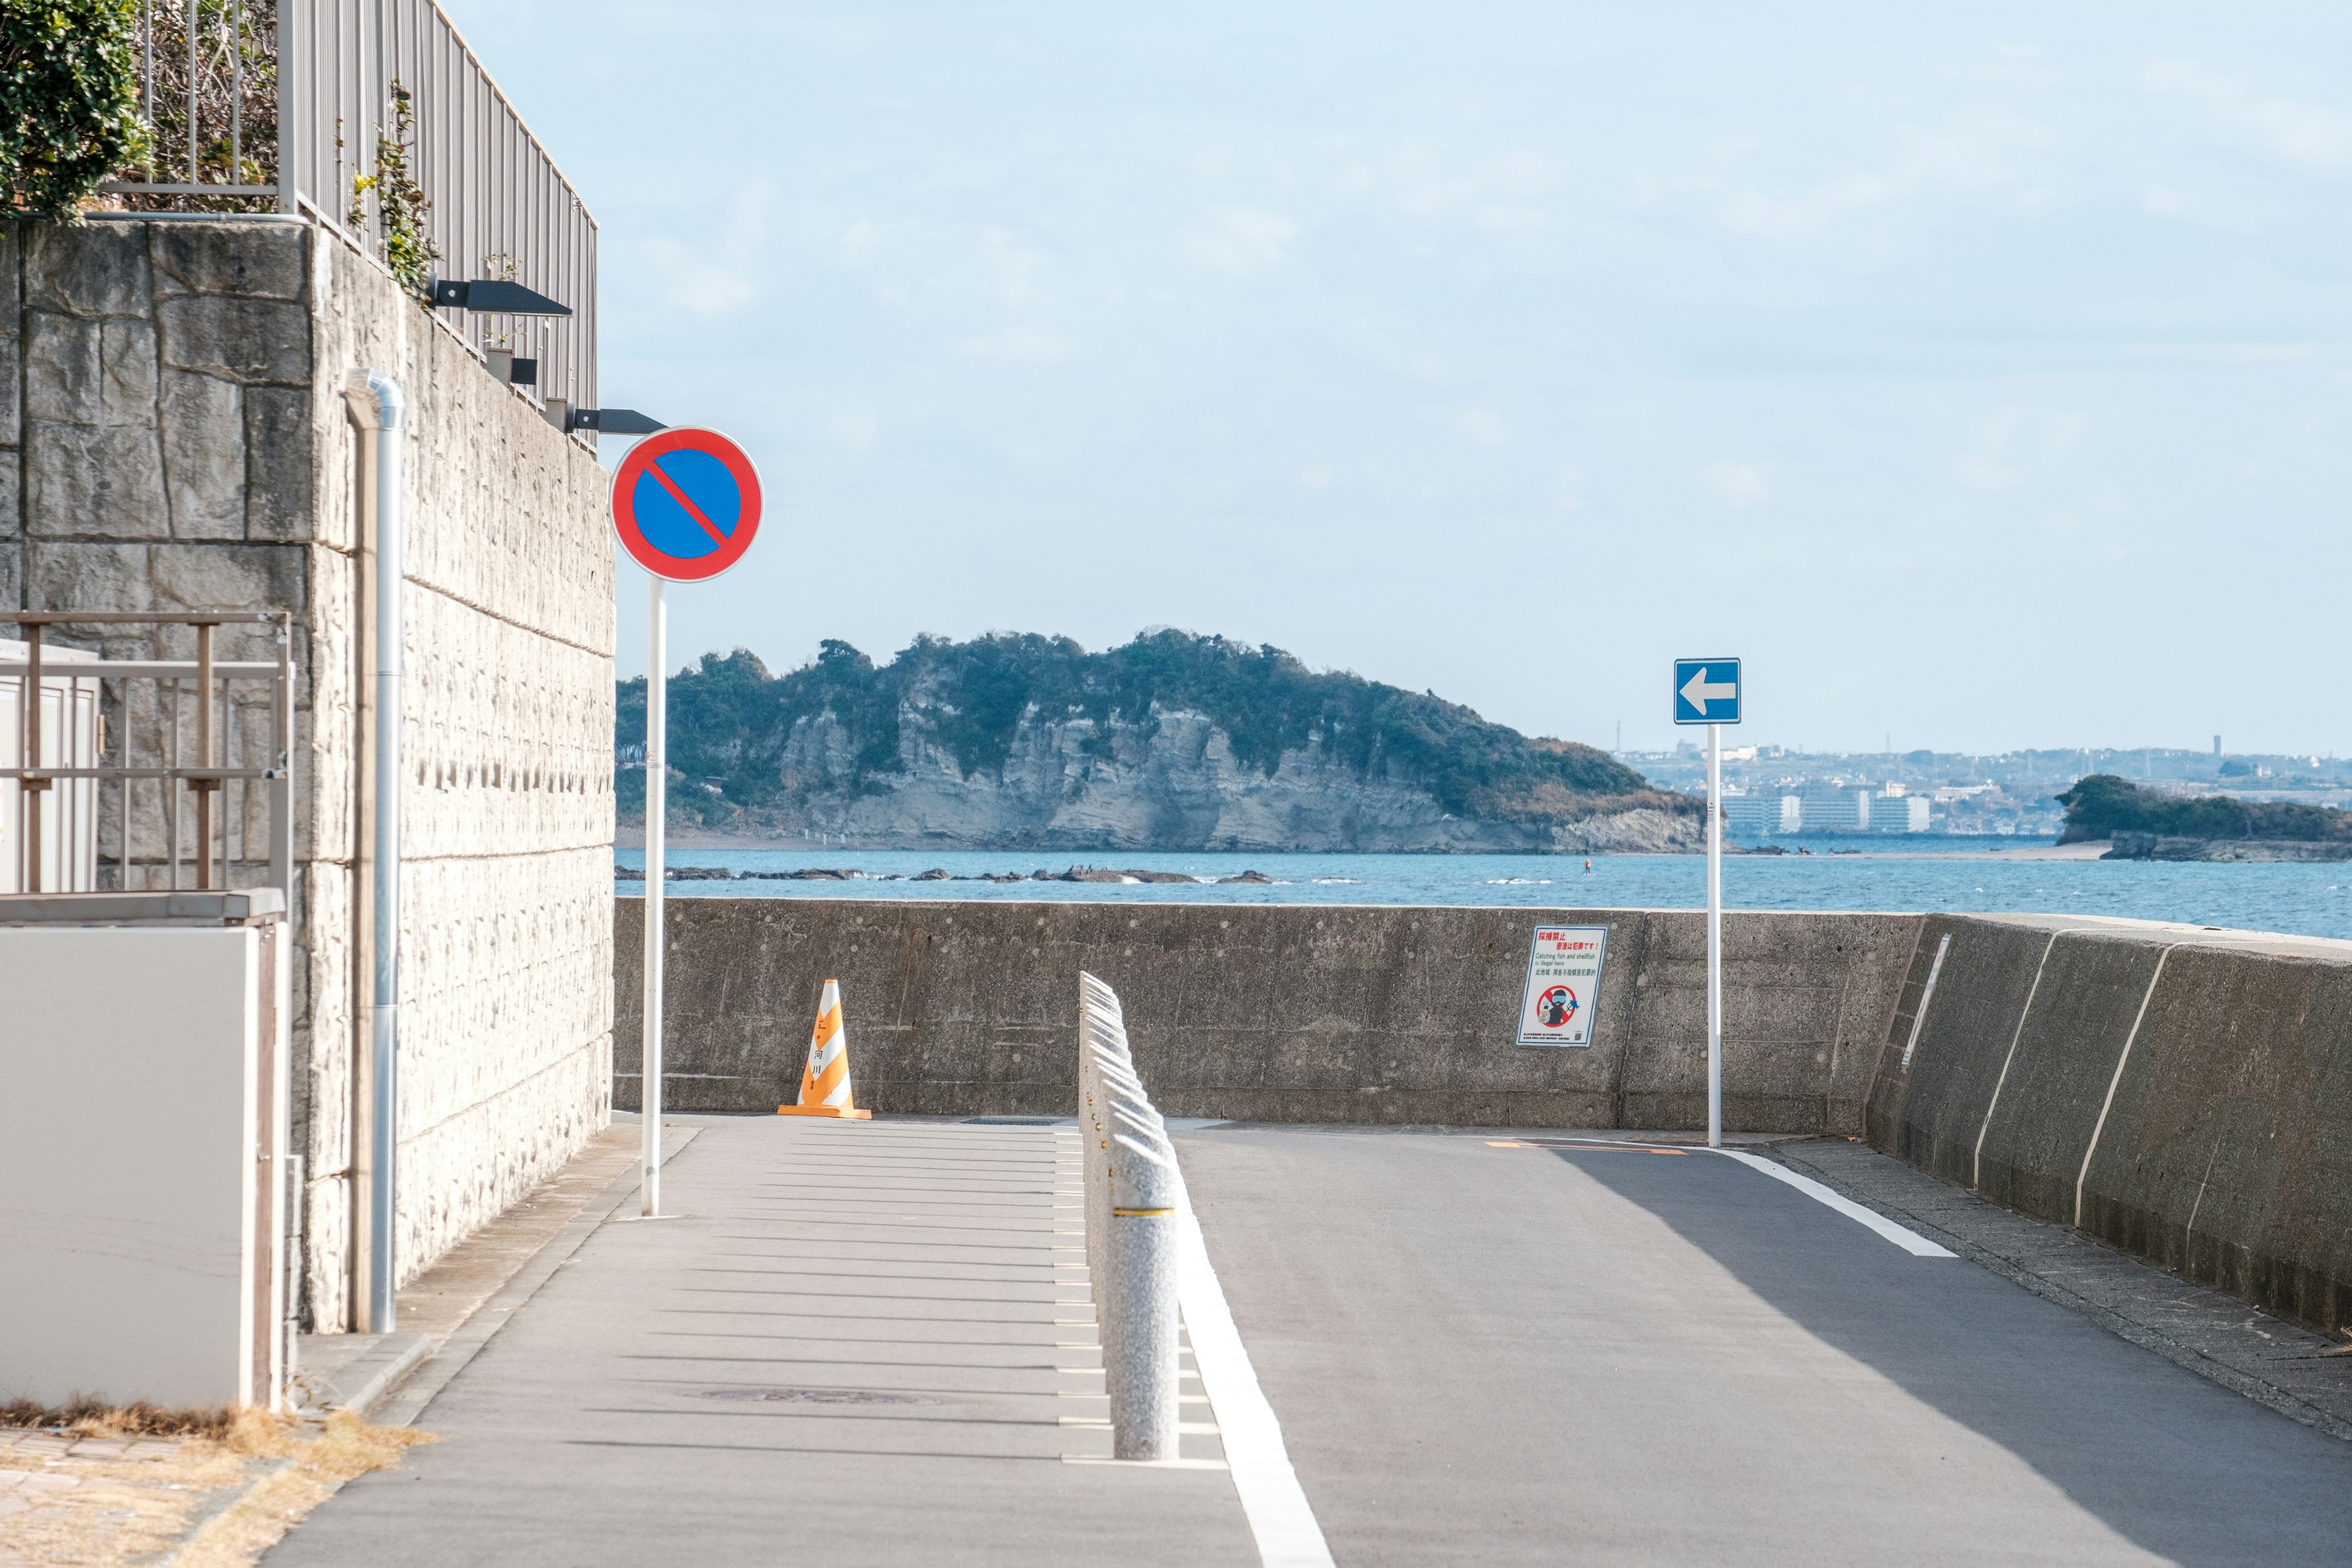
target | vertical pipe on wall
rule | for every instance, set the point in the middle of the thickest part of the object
(376, 400)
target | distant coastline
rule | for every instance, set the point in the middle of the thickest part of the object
(1171, 743)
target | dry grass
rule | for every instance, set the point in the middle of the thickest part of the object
(239, 1533)
(91, 1418)
(123, 1510)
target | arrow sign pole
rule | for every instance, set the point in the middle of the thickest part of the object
(1701, 700)
(1714, 932)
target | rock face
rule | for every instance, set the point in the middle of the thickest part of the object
(173, 437)
(1078, 784)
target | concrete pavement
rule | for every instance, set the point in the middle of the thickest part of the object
(870, 1344)
(857, 1344)
(1538, 1355)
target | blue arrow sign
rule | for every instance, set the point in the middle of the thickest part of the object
(1706, 691)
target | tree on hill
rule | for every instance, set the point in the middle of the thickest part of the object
(2103, 805)
(730, 720)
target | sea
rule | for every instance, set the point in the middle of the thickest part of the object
(1968, 875)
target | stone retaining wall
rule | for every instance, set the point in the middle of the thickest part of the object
(174, 436)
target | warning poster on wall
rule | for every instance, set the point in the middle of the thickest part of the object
(1563, 986)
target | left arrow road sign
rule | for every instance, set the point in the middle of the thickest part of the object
(1706, 691)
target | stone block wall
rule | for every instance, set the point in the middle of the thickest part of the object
(174, 436)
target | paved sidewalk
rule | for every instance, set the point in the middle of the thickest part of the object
(857, 1343)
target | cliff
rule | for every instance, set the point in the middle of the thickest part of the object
(1170, 742)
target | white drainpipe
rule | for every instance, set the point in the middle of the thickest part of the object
(377, 403)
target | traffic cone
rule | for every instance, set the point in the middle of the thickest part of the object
(825, 1078)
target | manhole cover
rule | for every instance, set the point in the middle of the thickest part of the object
(812, 1395)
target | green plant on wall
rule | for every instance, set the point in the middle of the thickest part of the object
(400, 201)
(69, 101)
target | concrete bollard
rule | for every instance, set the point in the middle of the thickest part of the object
(1130, 1187)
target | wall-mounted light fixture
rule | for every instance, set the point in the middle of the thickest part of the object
(612, 421)
(491, 296)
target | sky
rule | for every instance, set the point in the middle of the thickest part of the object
(1981, 375)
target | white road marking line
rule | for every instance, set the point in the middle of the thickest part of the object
(1279, 1517)
(1910, 1241)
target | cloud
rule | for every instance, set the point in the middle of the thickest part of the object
(1975, 148)
(856, 431)
(1241, 240)
(719, 275)
(1483, 426)
(2301, 133)
(699, 286)
(1740, 484)
(1033, 344)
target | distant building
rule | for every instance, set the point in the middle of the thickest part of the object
(1899, 813)
(1761, 816)
(1828, 809)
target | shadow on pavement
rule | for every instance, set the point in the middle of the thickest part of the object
(2169, 1461)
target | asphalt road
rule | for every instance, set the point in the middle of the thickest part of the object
(1536, 1354)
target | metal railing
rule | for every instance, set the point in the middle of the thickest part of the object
(278, 104)
(223, 763)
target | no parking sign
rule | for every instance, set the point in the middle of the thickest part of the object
(686, 504)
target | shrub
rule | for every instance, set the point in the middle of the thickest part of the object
(69, 101)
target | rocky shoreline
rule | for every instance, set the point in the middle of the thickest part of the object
(2127, 844)
(836, 874)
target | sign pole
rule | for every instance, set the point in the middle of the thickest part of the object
(649, 1098)
(686, 507)
(1715, 936)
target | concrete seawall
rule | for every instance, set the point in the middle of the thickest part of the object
(2182, 1093)
(1275, 1013)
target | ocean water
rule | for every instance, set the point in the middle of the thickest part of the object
(1965, 874)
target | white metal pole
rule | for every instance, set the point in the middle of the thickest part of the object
(657, 768)
(1715, 936)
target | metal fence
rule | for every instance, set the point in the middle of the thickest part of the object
(192, 775)
(279, 105)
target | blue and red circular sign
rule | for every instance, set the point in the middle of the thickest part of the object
(685, 503)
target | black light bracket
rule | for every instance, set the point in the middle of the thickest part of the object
(489, 296)
(611, 422)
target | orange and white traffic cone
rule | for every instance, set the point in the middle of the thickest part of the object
(825, 1078)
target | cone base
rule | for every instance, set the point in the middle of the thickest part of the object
(843, 1113)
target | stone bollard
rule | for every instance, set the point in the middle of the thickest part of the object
(1140, 1337)
(1131, 1183)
